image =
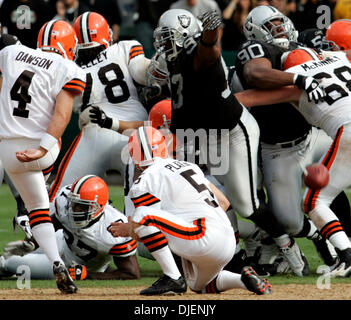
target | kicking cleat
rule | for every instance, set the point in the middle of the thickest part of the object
(343, 269)
(254, 283)
(63, 280)
(166, 286)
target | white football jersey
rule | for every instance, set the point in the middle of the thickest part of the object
(93, 245)
(335, 110)
(178, 187)
(110, 84)
(31, 81)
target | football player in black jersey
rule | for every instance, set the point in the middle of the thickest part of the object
(202, 100)
(288, 142)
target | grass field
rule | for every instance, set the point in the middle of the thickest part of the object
(149, 269)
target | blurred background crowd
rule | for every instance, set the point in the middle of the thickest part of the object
(136, 19)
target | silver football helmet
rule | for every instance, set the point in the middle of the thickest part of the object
(260, 25)
(174, 26)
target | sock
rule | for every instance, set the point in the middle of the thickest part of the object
(44, 234)
(227, 280)
(330, 227)
(282, 241)
(156, 243)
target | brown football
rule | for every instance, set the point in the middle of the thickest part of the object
(316, 176)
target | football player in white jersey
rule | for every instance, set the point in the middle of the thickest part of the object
(36, 99)
(333, 116)
(82, 215)
(176, 208)
(110, 74)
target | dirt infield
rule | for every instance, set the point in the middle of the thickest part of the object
(280, 292)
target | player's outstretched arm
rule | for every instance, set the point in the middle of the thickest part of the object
(260, 74)
(96, 115)
(209, 48)
(259, 97)
(128, 269)
(59, 121)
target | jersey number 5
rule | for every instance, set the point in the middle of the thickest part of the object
(199, 187)
(19, 92)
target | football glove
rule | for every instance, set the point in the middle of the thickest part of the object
(99, 117)
(78, 272)
(18, 248)
(210, 20)
(310, 86)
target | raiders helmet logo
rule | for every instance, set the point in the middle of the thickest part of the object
(184, 20)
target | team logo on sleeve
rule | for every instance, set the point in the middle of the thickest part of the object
(184, 20)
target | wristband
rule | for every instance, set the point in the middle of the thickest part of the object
(48, 141)
(115, 124)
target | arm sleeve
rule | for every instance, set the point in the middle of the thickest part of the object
(138, 63)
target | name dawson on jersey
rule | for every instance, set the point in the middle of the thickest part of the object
(34, 60)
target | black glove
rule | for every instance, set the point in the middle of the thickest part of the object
(311, 86)
(210, 20)
(99, 116)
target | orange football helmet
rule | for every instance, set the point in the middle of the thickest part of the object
(160, 114)
(174, 146)
(145, 144)
(339, 32)
(87, 200)
(58, 36)
(299, 56)
(92, 30)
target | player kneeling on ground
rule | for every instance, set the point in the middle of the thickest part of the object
(83, 215)
(177, 209)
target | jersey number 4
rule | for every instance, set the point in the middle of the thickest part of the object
(109, 84)
(19, 92)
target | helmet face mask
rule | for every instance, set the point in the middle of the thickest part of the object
(80, 211)
(267, 24)
(156, 72)
(86, 201)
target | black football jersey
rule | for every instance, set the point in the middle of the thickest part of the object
(280, 122)
(201, 99)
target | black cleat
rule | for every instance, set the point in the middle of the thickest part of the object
(343, 269)
(254, 283)
(63, 279)
(166, 286)
(323, 251)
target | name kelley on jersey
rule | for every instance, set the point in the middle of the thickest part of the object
(34, 60)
